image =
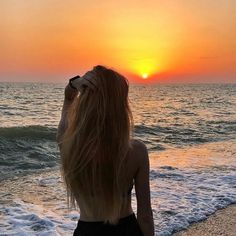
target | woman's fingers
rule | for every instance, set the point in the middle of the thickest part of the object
(88, 80)
(70, 93)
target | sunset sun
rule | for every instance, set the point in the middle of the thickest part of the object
(145, 76)
(145, 67)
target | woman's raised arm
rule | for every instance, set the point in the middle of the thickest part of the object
(70, 94)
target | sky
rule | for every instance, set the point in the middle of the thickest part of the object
(155, 41)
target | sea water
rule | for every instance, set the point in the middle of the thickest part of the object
(190, 132)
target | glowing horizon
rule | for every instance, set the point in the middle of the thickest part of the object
(168, 41)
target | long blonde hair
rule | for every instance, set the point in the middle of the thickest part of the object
(95, 146)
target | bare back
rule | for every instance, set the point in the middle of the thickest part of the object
(135, 162)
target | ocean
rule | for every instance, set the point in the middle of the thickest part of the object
(190, 132)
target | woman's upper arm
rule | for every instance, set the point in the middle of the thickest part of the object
(61, 129)
(142, 186)
(70, 95)
(63, 122)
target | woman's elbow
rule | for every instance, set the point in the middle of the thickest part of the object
(145, 215)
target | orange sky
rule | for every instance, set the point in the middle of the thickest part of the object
(168, 40)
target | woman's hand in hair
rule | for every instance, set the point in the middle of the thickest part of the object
(70, 93)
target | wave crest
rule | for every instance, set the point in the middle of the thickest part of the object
(34, 132)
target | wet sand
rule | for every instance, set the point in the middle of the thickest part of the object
(44, 189)
(36, 205)
(38, 201)
(223, 223)
(40, 190)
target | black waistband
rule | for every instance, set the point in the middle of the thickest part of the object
(121, 220)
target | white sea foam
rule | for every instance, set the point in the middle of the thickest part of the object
(182, 193)
(36, 207)
(181, 197)
(49, 181)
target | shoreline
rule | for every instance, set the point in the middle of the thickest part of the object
(222, 222)
(190, 176)
(36, 204)
(32, 189)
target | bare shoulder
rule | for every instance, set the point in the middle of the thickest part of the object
(138, 145)
(139, 150)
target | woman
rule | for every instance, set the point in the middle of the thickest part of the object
(100, 161)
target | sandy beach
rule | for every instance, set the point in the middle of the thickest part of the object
(36, 205)
(223, 222)
(44, 190)
(37, 193)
